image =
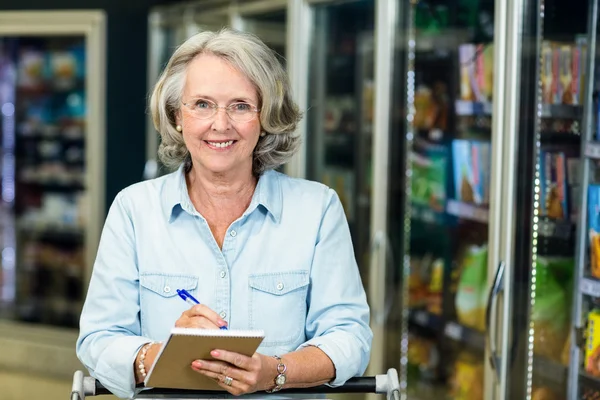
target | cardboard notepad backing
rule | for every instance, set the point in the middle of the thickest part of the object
(172, 367)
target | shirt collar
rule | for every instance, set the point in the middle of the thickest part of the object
(267, 194)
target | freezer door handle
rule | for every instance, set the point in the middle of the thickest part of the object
(491, 316)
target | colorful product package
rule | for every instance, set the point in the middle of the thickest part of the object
(592, 345)
(553, 182)
(472, 288)
(550, 315)
(466, 55)
(547, 75)
(594, 229)
(471, 169)
(428, 182)
(565, 77)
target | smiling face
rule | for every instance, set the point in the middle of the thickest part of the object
(218, 145)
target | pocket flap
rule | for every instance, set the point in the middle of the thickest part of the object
(167, 285)
(279, 283)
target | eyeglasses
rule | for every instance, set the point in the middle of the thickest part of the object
(205, 109)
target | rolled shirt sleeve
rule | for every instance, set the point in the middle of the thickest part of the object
(109, 337)
(338, 314)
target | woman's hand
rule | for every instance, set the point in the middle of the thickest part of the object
(248, 374)
(200, 316)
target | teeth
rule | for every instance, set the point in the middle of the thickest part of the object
(222, 144)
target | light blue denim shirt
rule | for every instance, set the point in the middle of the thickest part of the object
(286, 266)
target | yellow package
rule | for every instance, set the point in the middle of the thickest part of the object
(592, 345)
(467, 382)
(547, 74)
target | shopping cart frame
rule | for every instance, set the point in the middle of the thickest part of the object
(389, 384)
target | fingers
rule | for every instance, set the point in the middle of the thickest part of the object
(200, 316)
(234, 387)
(239, 360)
(195, 322)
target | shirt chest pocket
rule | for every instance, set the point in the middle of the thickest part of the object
(161, 306)
(277, 305)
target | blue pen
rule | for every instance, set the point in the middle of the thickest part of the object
(191, 300)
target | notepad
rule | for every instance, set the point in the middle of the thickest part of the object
(172, 366)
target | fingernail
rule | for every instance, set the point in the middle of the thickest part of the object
(214, 353)
(197, 364)
(222, 322)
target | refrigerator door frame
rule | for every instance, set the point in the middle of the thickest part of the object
(22, 343)
(300, 29)
(578, 323)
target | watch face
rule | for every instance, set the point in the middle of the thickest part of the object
(280, 380)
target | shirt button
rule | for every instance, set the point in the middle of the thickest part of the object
(223, 274)
(223, 314)
(167, 289)
(233, 233)
(280, 286)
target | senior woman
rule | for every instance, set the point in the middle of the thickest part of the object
(258, 249)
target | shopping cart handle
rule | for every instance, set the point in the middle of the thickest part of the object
(389, 384)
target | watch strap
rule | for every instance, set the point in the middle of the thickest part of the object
(281, 377)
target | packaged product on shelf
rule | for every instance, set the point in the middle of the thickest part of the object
(553, 185)
(544, 393)
(428, 184)
(485, 71)
(417, 281)
(436, 287)
(581, 55)
(594, 228)
(471, 170)
(592, 344)
(476, 72)
(468, 377)
(550, 315)
(342, 181)
(31, 68)
(565, 78)
(466, 55)
(547, 73)
(472, 288)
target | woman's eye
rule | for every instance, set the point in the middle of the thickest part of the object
(202, 104)
(241, 107)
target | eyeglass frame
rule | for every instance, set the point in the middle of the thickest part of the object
(215, 107)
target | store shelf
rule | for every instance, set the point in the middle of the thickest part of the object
(555, 229)
(466, 108)
(426, 214)
(550, 370)
(590, 287)
(563, 111)
(592, 150)
(467, 211)
(589, 382)
(450, 329)
(467, 336)
(54, 234)
(426, 320)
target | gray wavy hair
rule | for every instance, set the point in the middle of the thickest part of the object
(279, 115)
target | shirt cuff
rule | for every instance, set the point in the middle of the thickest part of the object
(341, 348)
(115, 369)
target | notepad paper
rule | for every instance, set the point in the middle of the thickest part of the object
(172, 366)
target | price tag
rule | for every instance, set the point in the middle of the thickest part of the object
(421, 318)
(453, 331)
(590, 287)
(592, 150)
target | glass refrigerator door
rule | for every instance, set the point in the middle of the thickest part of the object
(439, 224)
(43, 178)
(269, 24)
(542, 167)
(339, 110)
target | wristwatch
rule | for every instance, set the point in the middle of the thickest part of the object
(280, 378)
